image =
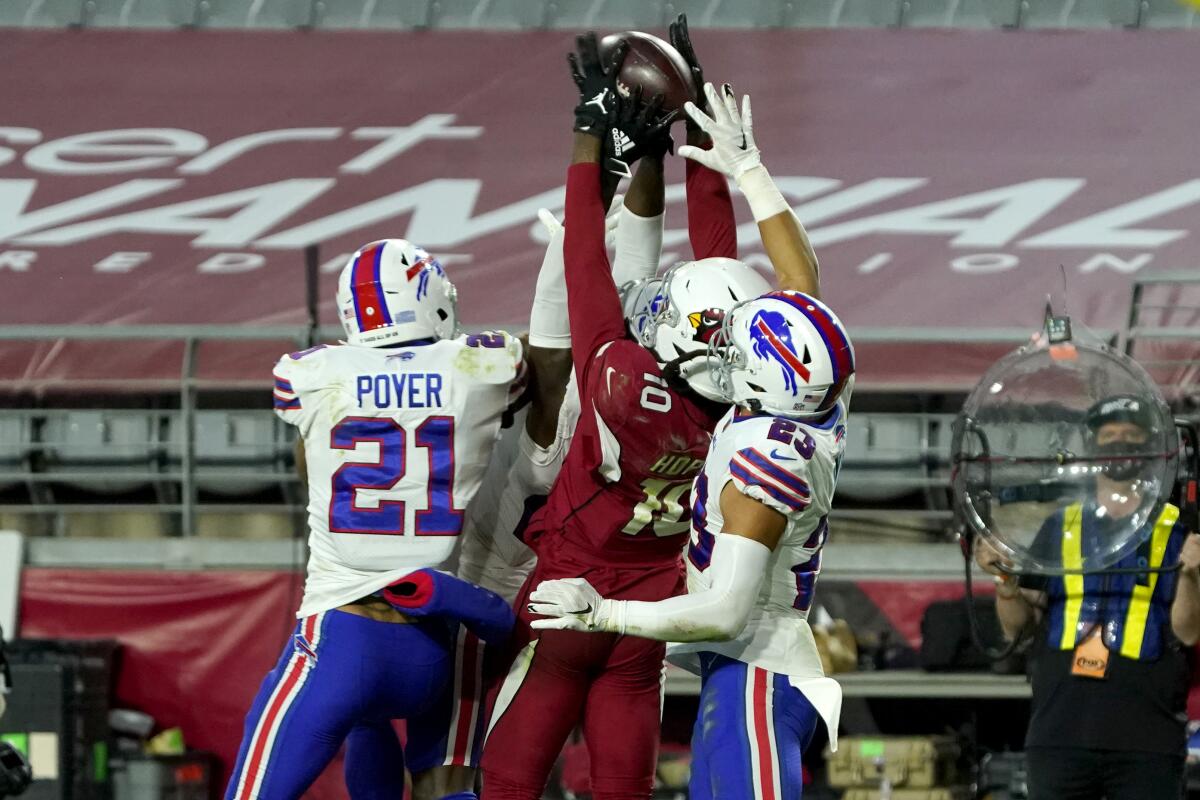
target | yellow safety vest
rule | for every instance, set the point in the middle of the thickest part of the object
(1134, 629)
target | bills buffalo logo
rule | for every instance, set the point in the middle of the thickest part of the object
(772, 337)
(706, 323)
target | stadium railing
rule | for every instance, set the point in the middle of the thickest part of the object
(613, 14)
(174, 471)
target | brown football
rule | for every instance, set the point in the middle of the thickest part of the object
(655, 66)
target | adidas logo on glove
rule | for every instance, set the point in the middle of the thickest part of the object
(621, 142)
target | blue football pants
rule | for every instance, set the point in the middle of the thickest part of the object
(751, 730)
(343, 678)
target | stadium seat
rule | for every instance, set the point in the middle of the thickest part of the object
(114, 525)
(16, 443)
(491, 14)
(1077, 13)
(143, 13)
(885, 457)
(254, 13)
(43, 13)
(605, 14)
(248, 525)
(237, 452)
(94, 448)
(959, 13)
(1167, 14)
(841, 13)
(727, 13)
(389, 14)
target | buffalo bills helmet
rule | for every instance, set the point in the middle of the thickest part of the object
(784, 353)
(675, 316)
(393, 291)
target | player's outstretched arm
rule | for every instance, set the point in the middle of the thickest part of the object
(610, 134)
(549, 354)
(640, 223)
(735, 154)
(719, 613)
(712, 228)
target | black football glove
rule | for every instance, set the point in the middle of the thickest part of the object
(634, 129)
(681, 40)
(597, 82)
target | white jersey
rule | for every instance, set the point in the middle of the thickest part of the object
(396, 441)
(792, 467)
(516, 485)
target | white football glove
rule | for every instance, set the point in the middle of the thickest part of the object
(733, 152)
(572, 605)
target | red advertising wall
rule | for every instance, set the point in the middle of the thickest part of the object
(174, 176)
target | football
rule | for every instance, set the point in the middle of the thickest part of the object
(654, 65)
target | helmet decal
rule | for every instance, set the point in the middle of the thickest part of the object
(706, 323)
(773, 340)
(841, 353)
(369, 307)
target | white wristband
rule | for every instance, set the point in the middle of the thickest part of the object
(765, 199)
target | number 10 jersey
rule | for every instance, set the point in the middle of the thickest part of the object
(396, 442)
(622, 498)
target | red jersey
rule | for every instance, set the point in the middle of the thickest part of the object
(623, 496)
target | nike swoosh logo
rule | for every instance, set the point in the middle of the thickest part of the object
(744, 144)
(779, 456)
(608, 379)
(587, 610)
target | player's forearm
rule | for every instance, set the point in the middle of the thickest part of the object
(1185, 608)
(550, 369)
(640, 225)
(592, 303)
(783, 237)
(646, 191)
(791, 254)
(711, 225)
(718, 613)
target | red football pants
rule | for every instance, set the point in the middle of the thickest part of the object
(610, 683)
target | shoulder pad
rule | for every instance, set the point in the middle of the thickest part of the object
(492, 357)
(773, 476)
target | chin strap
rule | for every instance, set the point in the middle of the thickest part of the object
(673, 369)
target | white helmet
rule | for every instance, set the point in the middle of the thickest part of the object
(785, 353)
(675, 316)
(393, 291)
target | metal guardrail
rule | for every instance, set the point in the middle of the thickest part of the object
(182, 471)
(544, 14)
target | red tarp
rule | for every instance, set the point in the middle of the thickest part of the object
(944, 175)
(195, 645)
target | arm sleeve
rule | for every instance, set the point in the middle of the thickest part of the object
(717, 613)
(639, 245)
(493, 357)
(711, 225)
(427, 593)
(548, 323)
(593, 305)
(780, 485)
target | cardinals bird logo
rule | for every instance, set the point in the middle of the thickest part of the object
(706, 323)
(772, 339)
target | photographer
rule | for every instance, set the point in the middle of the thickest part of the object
(1110, 674)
